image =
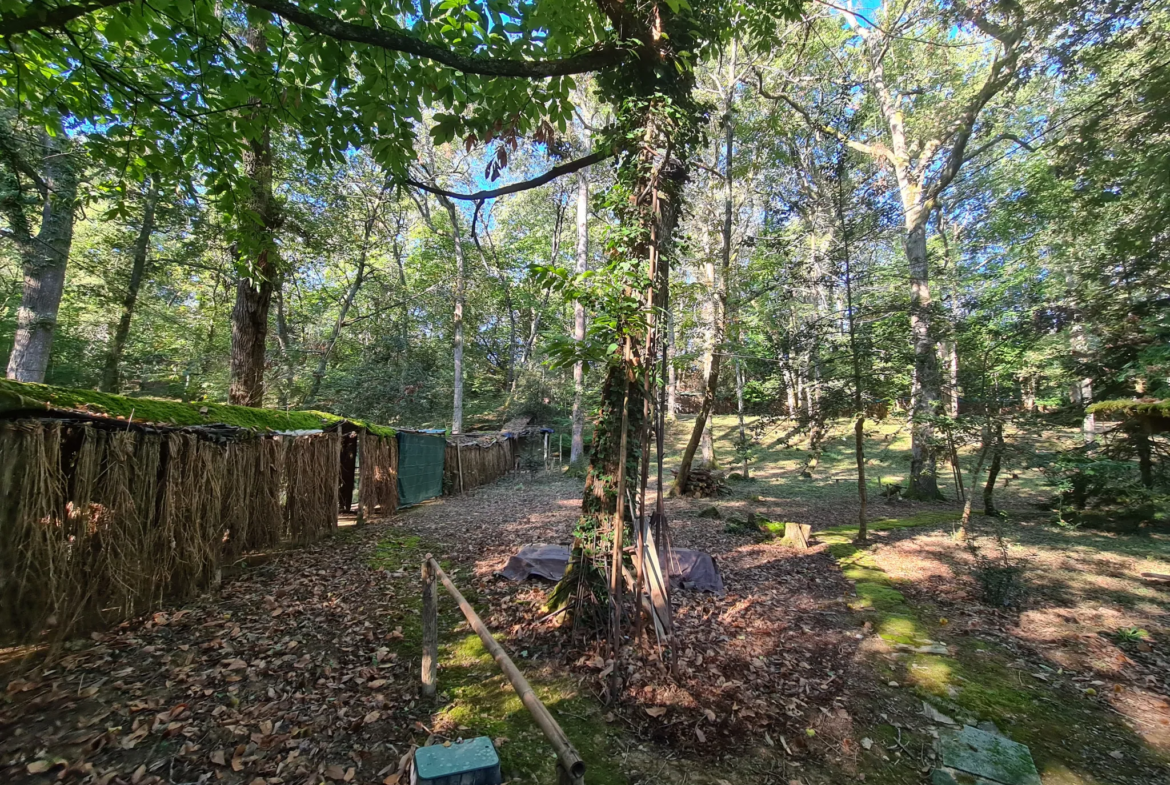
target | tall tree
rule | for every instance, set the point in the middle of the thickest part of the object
(256, 253)
(459, 295)
(111, 373)
(718, 282)
(577, 447)
(48, 164)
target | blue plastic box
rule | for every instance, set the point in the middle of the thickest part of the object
(471, 762)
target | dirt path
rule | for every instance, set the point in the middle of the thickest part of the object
(302, 669)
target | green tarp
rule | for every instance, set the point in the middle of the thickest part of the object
(420, 467)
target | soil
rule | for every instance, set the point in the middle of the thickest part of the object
(304, 668)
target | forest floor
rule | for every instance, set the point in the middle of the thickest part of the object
(813, 668)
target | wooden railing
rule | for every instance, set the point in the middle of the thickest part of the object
(570, 767)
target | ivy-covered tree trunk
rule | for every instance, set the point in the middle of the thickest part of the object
(257, 259)
(43, 255)
(111, 374)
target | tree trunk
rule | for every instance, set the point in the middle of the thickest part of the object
(671, 372)
(323, 361)
(855, 362)
(259, 258)
(743, 442)
(44, 256)
(1143, 431)
(284, 341)
(993, 474)
(924, 392)
(111, 380)
(457, 320)
(577, 448)
(718, 306)
(350, 295)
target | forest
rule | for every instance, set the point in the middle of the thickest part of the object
(870, 299)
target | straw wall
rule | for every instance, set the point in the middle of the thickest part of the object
(311, 473)
(378, 475)
(98, 525)
(481, 464)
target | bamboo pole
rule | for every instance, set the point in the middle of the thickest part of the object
(430, 625)
(568, 759)
(459, 461)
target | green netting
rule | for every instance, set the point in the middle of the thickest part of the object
(420, 467)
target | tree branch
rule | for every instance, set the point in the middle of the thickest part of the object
(877, 151)
(600, 57)
(549, 176)
(983, 148)
(38, 16)
(597, 59)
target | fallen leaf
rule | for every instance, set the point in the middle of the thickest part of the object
(218, 758)
(335, 773)
(39, 766)
(699, 734)
(656, 711)
(867, 742)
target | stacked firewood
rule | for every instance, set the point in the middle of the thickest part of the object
(705, 484)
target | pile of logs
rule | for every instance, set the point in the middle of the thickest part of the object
(705, 484)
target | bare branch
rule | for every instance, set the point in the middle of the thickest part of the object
(877, 151)
(978, 151)
(549, 176)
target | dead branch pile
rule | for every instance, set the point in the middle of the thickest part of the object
(705, 483)
(311, 499)
(479, 463)
(378, 483)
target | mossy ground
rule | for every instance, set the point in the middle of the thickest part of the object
(977, 679)
(475, 698)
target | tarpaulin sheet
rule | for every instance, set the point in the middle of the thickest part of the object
(420, 467)
(688, 569)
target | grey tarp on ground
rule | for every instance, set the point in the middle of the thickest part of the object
(688, 569)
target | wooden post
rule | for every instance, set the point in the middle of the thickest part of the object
(571, 769)
(430, 628)
(459, 460)
(560, 449)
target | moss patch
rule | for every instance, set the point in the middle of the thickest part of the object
(21, 397)
(877, 596)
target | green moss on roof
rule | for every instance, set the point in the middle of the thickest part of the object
(20, 396)
(1131, 407)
